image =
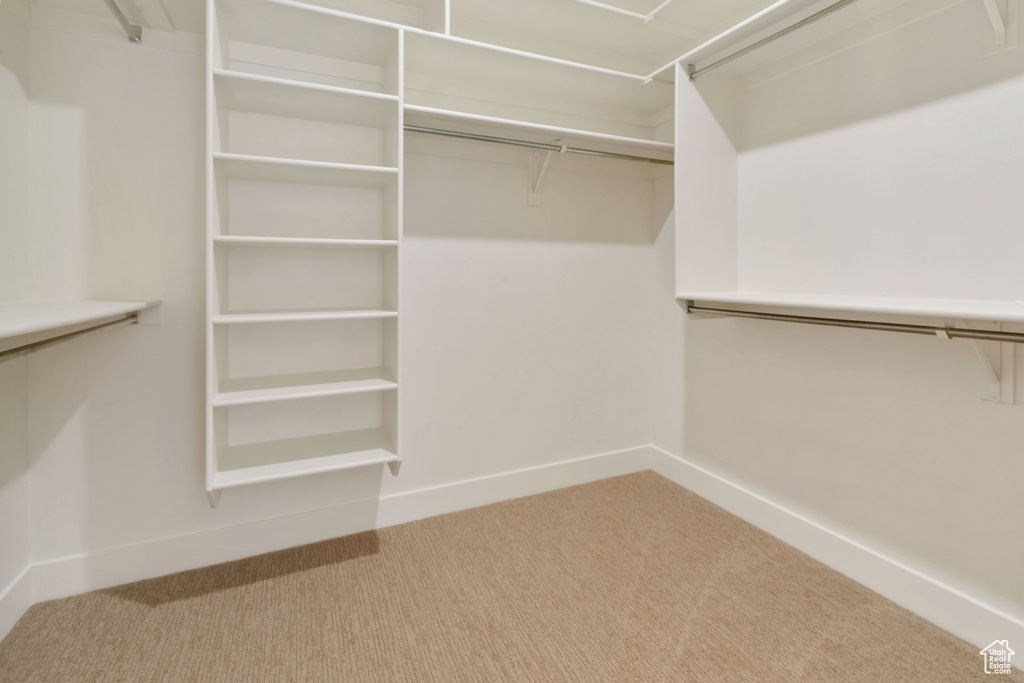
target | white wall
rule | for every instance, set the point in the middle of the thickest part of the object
(525, 329)
(15, 122)
(894, 167)
(15, 283)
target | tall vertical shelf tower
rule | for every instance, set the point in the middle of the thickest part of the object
(304, 239)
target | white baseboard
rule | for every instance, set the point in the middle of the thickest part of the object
(15, 599)
(85, 572)
(947, 607)
(470, 493)
(943, 605)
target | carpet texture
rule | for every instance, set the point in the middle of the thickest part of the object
(627, 579)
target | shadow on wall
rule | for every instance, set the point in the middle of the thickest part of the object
(251, 570)
(483, 194)
(14, 453)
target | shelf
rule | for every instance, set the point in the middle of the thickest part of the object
(28, 317)
(296, 99)
(253, 89)
(271, 460)
(250, 241)
(489, 125)
(278, 118)
(241, 391)
(272, 169)
(34, 322)
(300, 42)
(966, 309)
(452, 75)
(234, 318)
(427, 15)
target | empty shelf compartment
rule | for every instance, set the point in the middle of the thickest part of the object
(274, 118)
(270, 460)
(292, 41)
(254, 279)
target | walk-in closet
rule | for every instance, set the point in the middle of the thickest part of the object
(605, 337)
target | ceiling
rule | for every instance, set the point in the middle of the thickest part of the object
(571, 29)
(619, 34)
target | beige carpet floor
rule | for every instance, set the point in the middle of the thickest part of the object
(627, 579)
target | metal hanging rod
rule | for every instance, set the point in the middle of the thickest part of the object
(695, 72)
(534, 145)
(931, 330)
(134, 31)
(130, 319)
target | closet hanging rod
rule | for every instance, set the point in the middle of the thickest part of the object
(134, 31)
(695, 72)
(931, 330)
(534, 145)
(130, 319)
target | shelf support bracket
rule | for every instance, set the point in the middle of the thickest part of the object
(394, 467)
(997, 365)
(1004, 17)
(214, 497)
(537, 171)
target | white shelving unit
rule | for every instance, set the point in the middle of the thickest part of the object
(305, 231)
(308, 103)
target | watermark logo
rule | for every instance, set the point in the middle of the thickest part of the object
(997, 657)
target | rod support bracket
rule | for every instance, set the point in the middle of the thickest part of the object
(1004, 17)
(538, 169)
(996, 361)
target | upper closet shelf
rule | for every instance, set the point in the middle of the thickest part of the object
(430, 117)
(961, 309)
(783, 18)
(36, 322)
(476, 83)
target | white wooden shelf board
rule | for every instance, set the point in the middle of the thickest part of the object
(969, 309)
(246, 390)
(271, 460)
(299, 100)
(244, 240)
(443, 118)
(272, 169)
(275, 316)
(315, 9)
(31, 317)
